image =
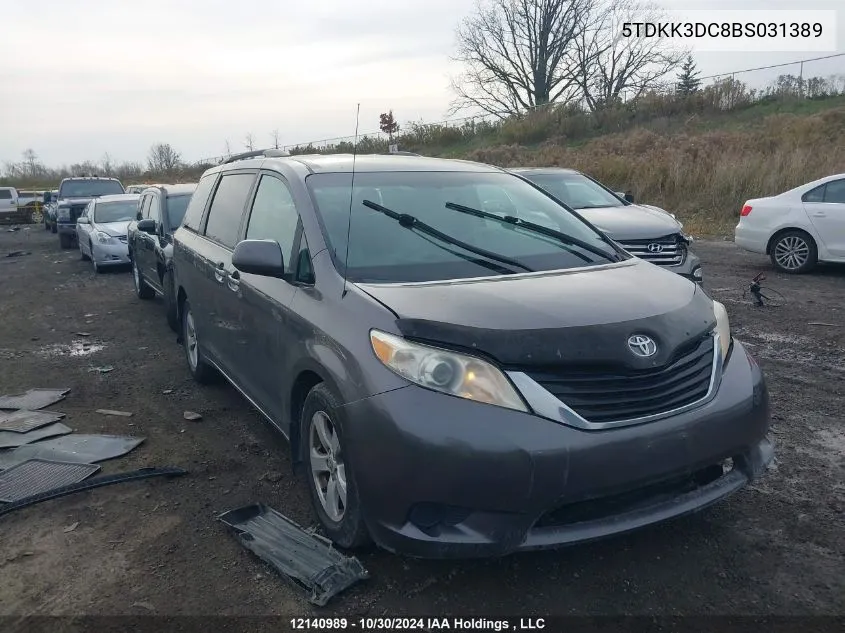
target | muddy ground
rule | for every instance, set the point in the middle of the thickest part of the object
(155, 547)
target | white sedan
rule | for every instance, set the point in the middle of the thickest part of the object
(798, 228)
(101, 229)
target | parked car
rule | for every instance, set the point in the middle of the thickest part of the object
(74, 195)
(643, 230)
(150, 237)
(8, 204)
(101, 230)
(455, 383)
(48, 210)
(799, 228)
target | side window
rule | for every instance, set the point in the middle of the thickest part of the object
(224, 216)
(193, 214)
(835, 192)
(154, 212)
(145, 206)
(273, 215)
(814, 195)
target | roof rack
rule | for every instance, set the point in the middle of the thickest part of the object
(266, 153)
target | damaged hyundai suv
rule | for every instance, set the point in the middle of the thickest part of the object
(455, 382)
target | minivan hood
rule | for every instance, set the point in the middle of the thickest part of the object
(566, 317)
(632, 222)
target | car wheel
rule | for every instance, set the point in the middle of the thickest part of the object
(327, 471)
(170, 302)
(46, 225)
(82, 254)
(794, 252)
(53, 228)
(141, 288)
(201, 371)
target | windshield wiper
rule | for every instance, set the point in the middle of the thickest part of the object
(537, 228)
(410, 222)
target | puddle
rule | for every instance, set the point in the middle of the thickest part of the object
(75, 348)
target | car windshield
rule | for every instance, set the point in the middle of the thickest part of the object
(576, 190)
(176, 206)
(449, 244)
(89, 188)
(122, 211)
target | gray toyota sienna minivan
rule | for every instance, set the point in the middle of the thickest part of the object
(455, 382)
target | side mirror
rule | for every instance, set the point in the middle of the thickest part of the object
(259, 257)
(629, 197)
(82, 219)
(147, 226)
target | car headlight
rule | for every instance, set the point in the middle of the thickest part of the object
(103, 238)
(723, 328)
(445, 371)
(64, 214)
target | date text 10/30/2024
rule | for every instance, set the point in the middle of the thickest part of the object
(417, 624)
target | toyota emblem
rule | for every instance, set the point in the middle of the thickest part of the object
(642, 345)
(654, 247)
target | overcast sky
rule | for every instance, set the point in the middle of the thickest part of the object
(79, 78)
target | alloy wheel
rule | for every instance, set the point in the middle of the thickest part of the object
(191, 341)
(792, 252)
(136, 276)
(327, 467)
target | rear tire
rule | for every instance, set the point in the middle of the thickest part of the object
(794, 252)
(65, 241)
(142, 290)
(322, 409)
(200, 370)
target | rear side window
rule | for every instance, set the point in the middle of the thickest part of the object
(835, 192)
(193, 215)
(273, 215)
(814, 195)
(5, 194)
(224, 216)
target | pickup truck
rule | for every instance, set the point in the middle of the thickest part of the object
(74, 195)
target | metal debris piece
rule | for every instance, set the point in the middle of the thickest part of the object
(90, 484)
(71, 527)
(123, 414)
(12, 439)
(823, 324)
(102, 370)
(23, 421)
(77, 448)
(83, 333)
(18, 253)
(33, 399)
(167, 391)
(37, 476)
(309, 561)
(192, 415)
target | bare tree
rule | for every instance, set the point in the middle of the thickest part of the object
(517, 54)
(611, 64)
(31, 166)
(249, 142)
(275, 135)
(163, 158)
(107, 163)
(227, 148)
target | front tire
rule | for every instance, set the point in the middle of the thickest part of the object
(53, 227)
(794, 252)
(142, 290)
(328, 475)
(200, 370)
(82, 254)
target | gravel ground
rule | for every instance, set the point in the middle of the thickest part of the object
(155, 547)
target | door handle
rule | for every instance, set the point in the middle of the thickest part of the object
(234, 281)
(219, 273)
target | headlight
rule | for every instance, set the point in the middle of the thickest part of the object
(445, 371)
(64, 214)
(723, 328)
(103, 238)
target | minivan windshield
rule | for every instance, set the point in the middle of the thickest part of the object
(89, 188)
(414, 226)
(575, 190)
(122, 211)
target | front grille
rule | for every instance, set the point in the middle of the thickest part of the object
(611, 395)
(664, 251)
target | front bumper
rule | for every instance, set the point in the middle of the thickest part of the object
(443, 477)
(689, 268)
(110, 254)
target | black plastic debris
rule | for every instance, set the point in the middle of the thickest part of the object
(37, 475)
(22, 421)
(91, 484)
(308, 561)
(18, 253)
(77, 448)
(33, 399)
(11, 439)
